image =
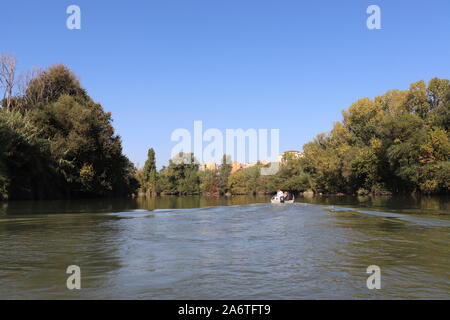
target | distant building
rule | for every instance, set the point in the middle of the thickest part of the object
(235, 166)
(208, 166)
(293, 154)
(249, 165)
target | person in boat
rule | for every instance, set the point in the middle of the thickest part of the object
(288, 196)
(280, 195)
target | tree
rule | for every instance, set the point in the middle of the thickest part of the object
(52, 83)
(150, 173)
(238, 182)
(224, 174)
(181, 176)
(26, 170)
(397, 142)
(62, 144)
(362, 118)
(417, 99)
(7, 77)
(209, 181)
(434, 171)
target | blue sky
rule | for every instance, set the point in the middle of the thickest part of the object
(293, 65)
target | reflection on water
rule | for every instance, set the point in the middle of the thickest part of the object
(230, 248)
(114, 205)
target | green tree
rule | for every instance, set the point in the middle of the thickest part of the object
(61, 144)
(26, 170)
(209, 182)
(181, 176)
(150, 173)
(237, 183)
(397, 142)
(224, 175)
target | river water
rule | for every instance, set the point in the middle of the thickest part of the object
(217, 248)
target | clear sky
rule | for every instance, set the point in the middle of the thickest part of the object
(263, 64)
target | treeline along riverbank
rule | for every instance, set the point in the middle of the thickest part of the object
(56, 142)
(395, 143)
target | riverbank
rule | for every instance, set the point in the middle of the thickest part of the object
(416, 202)
(307, 194)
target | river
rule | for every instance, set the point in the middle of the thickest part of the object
(218, 248)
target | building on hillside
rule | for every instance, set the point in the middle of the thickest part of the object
(235, 166)
(208, 166)
(293, 154)
(252, 164)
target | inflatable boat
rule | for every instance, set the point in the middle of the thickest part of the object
(276, 199)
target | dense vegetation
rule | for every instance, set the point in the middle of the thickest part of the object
(182, 176)
(56, 142)
(396, 143)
